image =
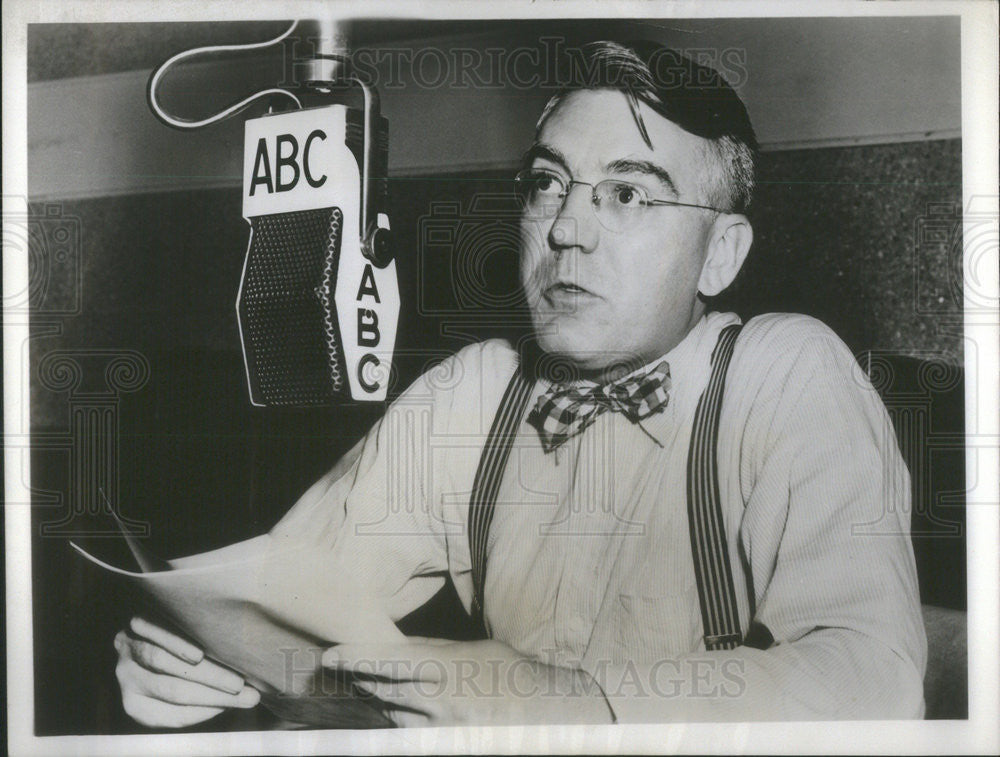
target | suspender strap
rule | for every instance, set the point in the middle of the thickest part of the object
(716, 591)
(492, 463)
(709, 548)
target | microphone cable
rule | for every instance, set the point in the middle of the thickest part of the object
(183, 123)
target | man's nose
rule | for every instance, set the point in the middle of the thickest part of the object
(575, 225)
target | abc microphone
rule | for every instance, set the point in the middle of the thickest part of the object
(318, 299)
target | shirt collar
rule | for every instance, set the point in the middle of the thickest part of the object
(690, 366)
(683, 357)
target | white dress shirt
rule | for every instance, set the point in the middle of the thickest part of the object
(589, 555)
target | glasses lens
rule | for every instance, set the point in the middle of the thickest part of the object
(541, 191)
(618, 203)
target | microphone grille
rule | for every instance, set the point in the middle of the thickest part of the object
(288, 318)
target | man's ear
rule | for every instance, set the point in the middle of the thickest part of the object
(728, 244)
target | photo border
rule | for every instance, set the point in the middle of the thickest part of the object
(979, 166)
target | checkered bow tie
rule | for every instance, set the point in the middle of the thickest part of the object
(564, 411)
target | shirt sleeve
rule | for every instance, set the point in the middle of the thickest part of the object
(373, 513)
(825, 531)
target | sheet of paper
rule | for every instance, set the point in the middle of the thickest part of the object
(268, 609)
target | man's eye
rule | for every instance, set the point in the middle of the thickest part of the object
(626, 195)
(546, 184)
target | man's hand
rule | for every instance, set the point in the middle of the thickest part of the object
(167, 682)
(439, 682)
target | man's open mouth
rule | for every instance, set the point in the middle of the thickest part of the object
(565, 287)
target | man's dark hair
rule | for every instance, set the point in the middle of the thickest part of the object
(694, 97)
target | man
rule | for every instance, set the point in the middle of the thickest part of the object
(583, 550)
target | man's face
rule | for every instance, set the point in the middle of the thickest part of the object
(596, 296)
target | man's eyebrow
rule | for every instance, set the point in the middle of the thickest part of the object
(643, 167)
(539, 150)
(622, 165)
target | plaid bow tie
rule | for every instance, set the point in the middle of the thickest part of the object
(562, 412)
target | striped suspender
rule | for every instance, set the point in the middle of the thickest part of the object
(716, 592)
(492, 463)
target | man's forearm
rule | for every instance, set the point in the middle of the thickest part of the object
(829, 674)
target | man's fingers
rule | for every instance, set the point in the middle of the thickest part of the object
(172, 643)
(159, 660)
(173, 696)
(169, 688)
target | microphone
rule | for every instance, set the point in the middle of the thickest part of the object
(318, 300)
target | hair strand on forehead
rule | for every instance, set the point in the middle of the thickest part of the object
(633, 103)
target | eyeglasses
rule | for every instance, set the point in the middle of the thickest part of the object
(617, 204)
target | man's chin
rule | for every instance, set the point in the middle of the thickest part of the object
(583, 358)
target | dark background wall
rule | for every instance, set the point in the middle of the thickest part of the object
(861, 236)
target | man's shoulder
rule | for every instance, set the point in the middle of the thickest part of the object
(781, 331)
(474, 373)
(480, 363)
(793, 382)
(782, 350)
(497, 353)
(776, 339)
